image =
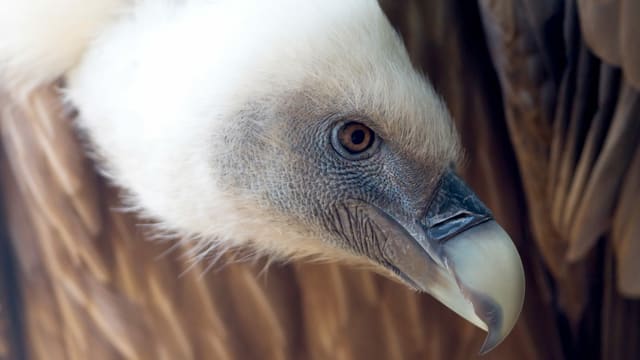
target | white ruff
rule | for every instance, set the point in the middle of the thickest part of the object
(155, 80)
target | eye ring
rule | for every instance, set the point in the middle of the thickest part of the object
(353, 140)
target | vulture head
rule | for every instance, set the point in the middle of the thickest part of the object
(295, 128)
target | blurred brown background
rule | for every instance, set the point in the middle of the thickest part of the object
(545, 95)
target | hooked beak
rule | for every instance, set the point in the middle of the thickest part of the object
(461, 256)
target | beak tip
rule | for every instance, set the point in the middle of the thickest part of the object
(492, 340)
(496, 319)
(488, 345)
(495, 288)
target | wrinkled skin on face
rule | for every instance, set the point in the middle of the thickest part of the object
(330, 192)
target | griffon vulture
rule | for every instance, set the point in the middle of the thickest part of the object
(293, 128)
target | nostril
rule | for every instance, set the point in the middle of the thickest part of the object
(451, 226)
(461, 216)
(454, 208)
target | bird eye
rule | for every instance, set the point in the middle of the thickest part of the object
(353, 140)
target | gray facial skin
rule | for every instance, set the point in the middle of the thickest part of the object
(290, 160)
(409, 215)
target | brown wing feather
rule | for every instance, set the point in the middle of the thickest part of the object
(611, 30)
(588, 159)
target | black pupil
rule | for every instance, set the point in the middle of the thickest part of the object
(357, 137)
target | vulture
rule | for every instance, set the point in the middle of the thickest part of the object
(158, 156)
(318, 142)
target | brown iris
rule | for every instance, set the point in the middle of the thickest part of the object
(355, 137)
